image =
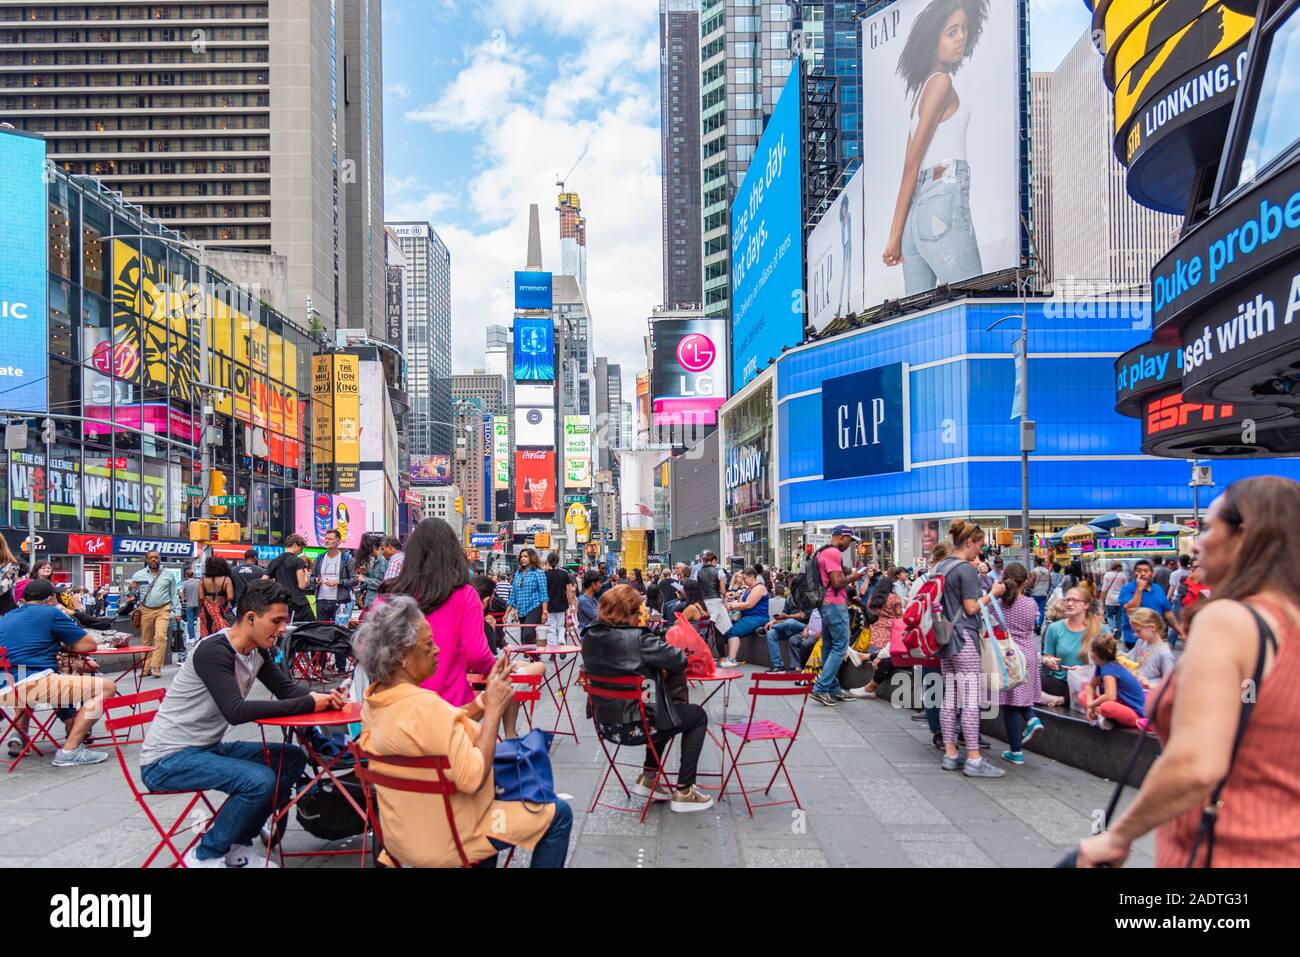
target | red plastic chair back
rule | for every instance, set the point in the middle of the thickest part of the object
(767, 686)
(10, 722)
(623, 688)
(440, 785)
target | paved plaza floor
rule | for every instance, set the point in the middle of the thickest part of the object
(869, 778)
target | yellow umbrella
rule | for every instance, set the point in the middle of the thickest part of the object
(1078, 533)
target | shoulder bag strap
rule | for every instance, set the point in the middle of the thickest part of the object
(1210, 812)
(1137, 751)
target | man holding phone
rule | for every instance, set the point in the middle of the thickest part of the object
(184, 751)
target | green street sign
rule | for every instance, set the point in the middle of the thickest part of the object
(193, 491)
(229, 499)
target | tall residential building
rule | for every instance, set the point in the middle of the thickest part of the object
(1101, 238)
(471, 465)
(744, 62)
(496, 355)
(1041, 164)
(573, 238)
(230, 123)
(574, 342)
(487, 389)
(427, 314)
(679, 120)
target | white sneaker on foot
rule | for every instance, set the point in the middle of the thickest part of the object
(727, 663)
(854, 657)
(192, 859)
(243, 855)
(684, 802)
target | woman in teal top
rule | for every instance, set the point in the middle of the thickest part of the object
(1067, 641)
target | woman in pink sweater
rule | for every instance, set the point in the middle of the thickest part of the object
(436, 575)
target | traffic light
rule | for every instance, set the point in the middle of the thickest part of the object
(229, 532)
(217, 487)
(460, 505)
(200, 531)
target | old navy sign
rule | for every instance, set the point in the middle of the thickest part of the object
(865, 423)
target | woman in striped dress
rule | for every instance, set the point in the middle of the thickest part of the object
(1021, 612)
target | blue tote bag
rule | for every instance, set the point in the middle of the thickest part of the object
(521, 769)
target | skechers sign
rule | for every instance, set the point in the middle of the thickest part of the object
(23, 263)
(864, 423)
(533, 290)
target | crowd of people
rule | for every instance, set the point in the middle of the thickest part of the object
(433, 679)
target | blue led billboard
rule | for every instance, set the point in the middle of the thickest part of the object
(767, 243)
(534, 290)
(534, 350)
(24, 312)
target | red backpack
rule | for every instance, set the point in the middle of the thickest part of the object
(925, 629)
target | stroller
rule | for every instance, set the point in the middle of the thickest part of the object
(316, 652)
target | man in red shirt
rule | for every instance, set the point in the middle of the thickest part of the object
(835, 616)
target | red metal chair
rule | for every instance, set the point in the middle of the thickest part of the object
(624, 688)
(528, 695)
(786, 686)
(138, 717)
(11, 722)
(440, 785)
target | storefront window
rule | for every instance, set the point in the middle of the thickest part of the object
(97, 489)
(64, 495)
(1275, 126)
(127, 519)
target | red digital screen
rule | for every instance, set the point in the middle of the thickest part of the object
(535, 482)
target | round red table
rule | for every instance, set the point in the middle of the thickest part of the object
(721, 679)
(300, 724)
(138, 654)
(557, 684)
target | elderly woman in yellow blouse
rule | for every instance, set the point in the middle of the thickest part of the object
(402, 719)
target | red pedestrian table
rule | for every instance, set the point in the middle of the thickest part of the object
(557, 684)
(721, 680)
(137, 653)
(301, 724)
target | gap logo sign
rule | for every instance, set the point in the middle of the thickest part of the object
(865, 423)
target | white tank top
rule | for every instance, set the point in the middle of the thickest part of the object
(949, 140)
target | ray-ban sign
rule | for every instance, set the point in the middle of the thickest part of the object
(865, 427)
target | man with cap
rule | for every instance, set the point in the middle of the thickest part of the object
(835, 616)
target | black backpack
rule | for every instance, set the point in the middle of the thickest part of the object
(808, 589)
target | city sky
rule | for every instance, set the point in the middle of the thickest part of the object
(489, 102)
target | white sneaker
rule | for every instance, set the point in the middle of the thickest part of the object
(192, 859)
(1105, 723)
(727, 663)
(854, 657)
(78, 758)
(686, 802)
(861, 693)
(641, 788)
(243, 855)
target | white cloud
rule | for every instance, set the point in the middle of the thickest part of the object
(523, 135)
(397, 91)
(408, 200)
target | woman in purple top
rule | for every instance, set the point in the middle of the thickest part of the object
(436, 575)
(1021, 613)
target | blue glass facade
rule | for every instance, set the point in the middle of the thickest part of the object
(964, 443)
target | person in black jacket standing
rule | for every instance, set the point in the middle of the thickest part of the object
(615, 646)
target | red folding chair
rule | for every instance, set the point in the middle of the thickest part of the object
(440, 785)
(138, 717)
(11, 722)
(785, 686)
(624, 688)
(528, 691)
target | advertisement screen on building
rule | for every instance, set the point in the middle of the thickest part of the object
(24, 242)
(529, 396)
(315, 513)
(533, 290)
(577, 451)
(534, 350)
(535, 482)
(865, 427)
(336, 422)
(836, 266)
(690, 371)
(959, 75)
(535, 427)
(767, 242)
(500, 453)
(430, 470)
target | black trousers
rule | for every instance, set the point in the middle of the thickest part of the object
(1056, 686)
(528, 636)
(693, 727)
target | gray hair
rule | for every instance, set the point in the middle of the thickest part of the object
(390, 631)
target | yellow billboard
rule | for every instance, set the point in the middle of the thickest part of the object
(322, 422)
(336, 422)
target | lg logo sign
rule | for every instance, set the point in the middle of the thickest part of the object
(696, 354)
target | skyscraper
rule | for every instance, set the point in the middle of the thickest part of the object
(468, 467)
(1041, 164)
(679, 120)
(427, 313)
(1100, 237)
(228, 122)
(744, 64)
(573, 238)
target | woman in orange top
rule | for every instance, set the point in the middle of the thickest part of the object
(402, 719)
(1246, 551)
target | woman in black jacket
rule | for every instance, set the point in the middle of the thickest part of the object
(616, 646)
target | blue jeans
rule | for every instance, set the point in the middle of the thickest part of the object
(553, 848)
(1115, 618)
(939, 244)
(746, 626)
(238, 769)
(1041, 602)
(191, 618)
(787, 630)
(835, 642)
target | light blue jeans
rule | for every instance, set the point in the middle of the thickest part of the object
(783, 629)
(939, 244)
(835, 642)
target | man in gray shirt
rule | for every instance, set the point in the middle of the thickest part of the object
(711, 587)
(183, 749)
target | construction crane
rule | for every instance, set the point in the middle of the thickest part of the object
(561, 181)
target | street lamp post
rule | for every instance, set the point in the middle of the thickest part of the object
(1028, 441)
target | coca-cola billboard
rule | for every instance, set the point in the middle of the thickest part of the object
(535, 482)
